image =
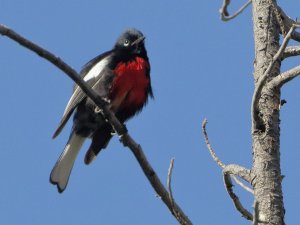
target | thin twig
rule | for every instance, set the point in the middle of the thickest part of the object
(169, 181)
(238, 205)
(212, 152)
(261, 82)
(224, 11)
(119, 128)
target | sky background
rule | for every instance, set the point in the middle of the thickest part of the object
(201, 68)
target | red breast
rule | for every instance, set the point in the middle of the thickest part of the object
(129, 88)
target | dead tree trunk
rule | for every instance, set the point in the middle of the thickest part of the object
(266, 173)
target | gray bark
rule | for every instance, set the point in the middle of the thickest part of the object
(266, 172)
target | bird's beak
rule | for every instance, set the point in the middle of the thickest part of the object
(137, 41)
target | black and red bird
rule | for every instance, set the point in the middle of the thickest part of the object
(122, 77)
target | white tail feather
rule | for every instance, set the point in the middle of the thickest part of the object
(61, 171)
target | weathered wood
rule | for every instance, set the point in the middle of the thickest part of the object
(266, 172)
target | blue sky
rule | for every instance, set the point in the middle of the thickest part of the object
(201, 67)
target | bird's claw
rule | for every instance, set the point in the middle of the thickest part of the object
(106, 100)
(98, 110)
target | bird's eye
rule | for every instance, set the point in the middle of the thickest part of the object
(126, 42)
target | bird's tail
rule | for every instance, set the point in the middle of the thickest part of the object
(62, 169)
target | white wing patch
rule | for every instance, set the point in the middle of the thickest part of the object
(96, 69)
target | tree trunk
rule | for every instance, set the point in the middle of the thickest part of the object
(266, 173)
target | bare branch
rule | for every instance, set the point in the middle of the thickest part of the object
(212, 152)
(228, 184)
(261, 82)
(291, 51)
(154, 180)
(224, 11)
(285, 77)
(118, 127)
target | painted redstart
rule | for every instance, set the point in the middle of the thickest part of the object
(122, 77)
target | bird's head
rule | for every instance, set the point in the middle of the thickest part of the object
(131, 42)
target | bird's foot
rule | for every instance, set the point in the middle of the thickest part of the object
(106, 100)
(98, 110)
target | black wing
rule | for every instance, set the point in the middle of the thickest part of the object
(100, 83)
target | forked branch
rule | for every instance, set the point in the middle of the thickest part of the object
(118, 127)
(241, 172)
(228, 171)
